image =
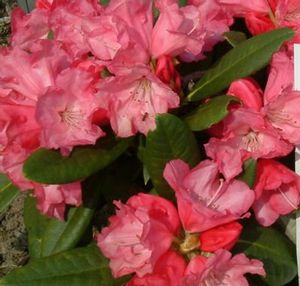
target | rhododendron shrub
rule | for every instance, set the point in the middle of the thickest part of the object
(150, 139)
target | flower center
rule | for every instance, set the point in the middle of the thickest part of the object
(190, 243)
(250, 142)
(71, 117)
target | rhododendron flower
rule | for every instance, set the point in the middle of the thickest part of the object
(246, 134)
(221, 269)
(139, 234)
(277, 191)
(133, 100)
(65, 112)
(204, 200)
(52, 199)
(168, 271)
(223, 236)
(248, 91)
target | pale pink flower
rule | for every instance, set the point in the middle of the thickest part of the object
(277, 191)
(133, 100)
(204, 200)
(168, 271)
(246, 134)
(248, 91)
(65, 112)
(52, 199)
(221, 269)
(139, 234)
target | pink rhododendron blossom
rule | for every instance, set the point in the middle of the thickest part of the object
(204, 200)
(221, 269)
(248, 91)
(277, 191)
(133, 100)
(19, 137)
(139, 234)
(240, 7)
(246, 134)
(224, 236)
(52, 199)
(284, 115)
(281, 75)
(168, 271)
(28, 28)
(65, 112)
(27, 76)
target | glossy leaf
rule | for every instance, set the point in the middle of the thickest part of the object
(77, 267)
(209, 113)
(273, 248)
(235, 37)
(8, 192)
(50, 167)
(171, 139)
(249, 173)
(243, 60)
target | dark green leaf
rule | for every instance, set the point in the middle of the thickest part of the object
(243, 60)
(8, 192)
(249, 173)
(182, 3)
(77, 267)
(171, 139)
(209, 113)
(234, 37)
(274, 249)
(50, 167)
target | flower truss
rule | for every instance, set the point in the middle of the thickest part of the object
(79, 72)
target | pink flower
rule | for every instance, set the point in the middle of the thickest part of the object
(224, 236)
(139, 234)
(134, 99)
(168, 270)
(221, 269)
(246, 134)
(52, 199)
(277, 191)
(248, 91)
(28, 28)
(65, 112)
(281, 75)
(204, 200)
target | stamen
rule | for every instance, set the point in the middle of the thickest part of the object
(283, 117)
(287, 199)
(72, 118)
(216, 194)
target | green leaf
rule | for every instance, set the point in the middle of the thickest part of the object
(182, 3)
(243, 60)
(249, 173)
(50, 167)
(47, 236)
(235, 37)
(275, 250)
(77, 267)
(8, 192)
(209, 113)
(172, 139)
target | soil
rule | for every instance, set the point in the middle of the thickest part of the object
(13, 238)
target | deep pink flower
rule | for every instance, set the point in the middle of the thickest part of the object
(277, 191)
(139, 234)
(204, 200)
(221, 269)
(52, 199)
(248, 91)
(133, 100)
(224, 236)
(65, 112)
(168, 271)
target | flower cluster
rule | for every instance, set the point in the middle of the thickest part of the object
(76, 70)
